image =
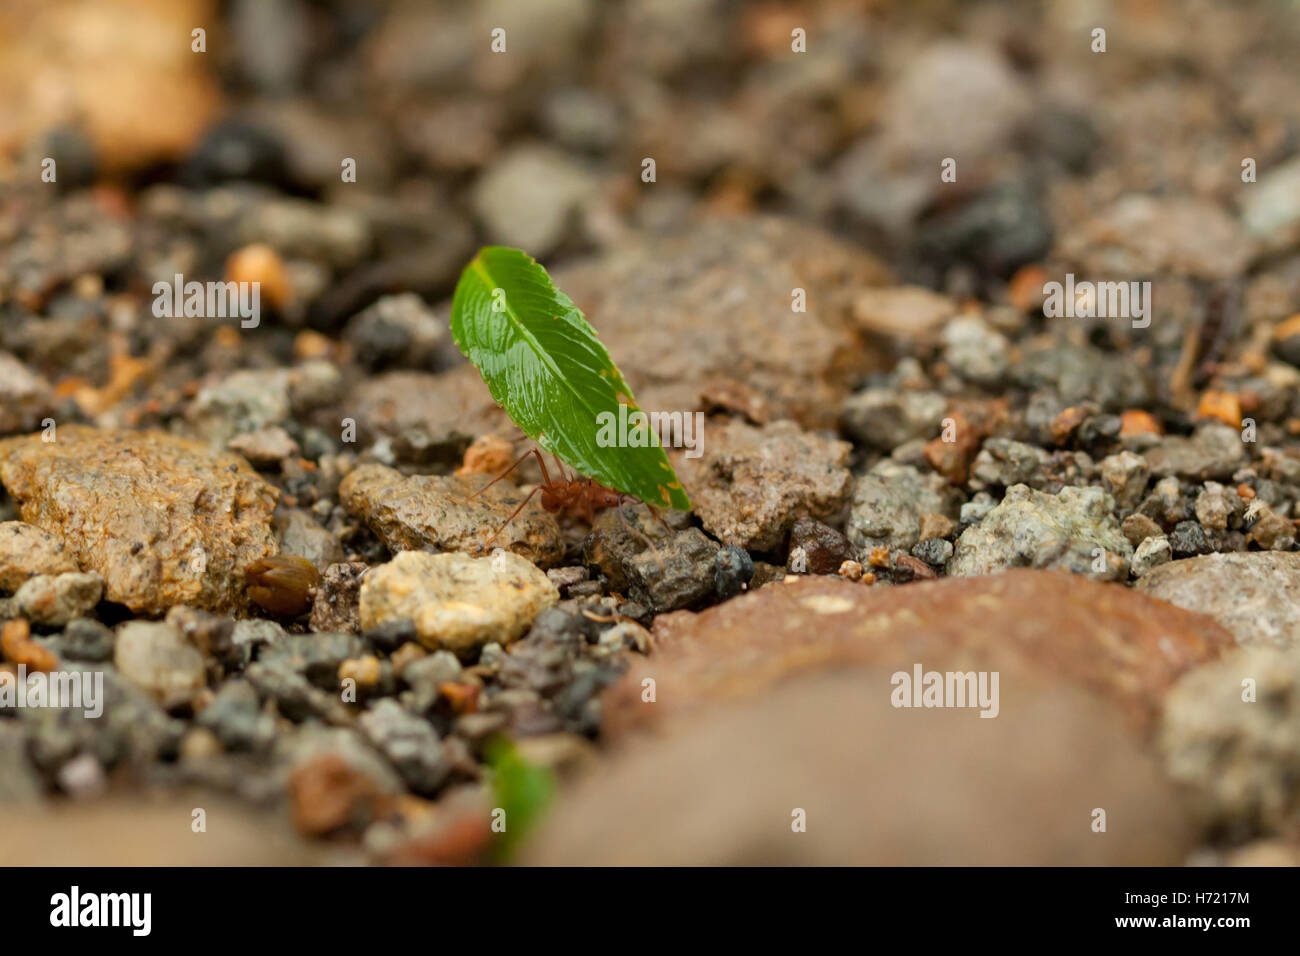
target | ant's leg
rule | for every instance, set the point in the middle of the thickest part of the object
(662, 523)
(522, 458)
(513, 516)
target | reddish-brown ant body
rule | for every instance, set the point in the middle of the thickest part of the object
(576, 496)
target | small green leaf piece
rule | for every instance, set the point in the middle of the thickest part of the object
(544, 365)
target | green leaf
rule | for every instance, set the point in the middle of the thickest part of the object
(522, 790)
(544, 365)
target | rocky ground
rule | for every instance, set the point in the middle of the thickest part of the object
(261, 536)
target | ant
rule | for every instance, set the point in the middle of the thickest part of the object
(576, 496)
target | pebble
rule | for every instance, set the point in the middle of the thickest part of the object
(163, 520)
(426, 676)
(885, 418)
(85, 639)
(1270, 211)
(888, 502)
(1151, 553)
(336, 605)
(301, 534)
(235, 716)
(1215, 451)
(1125, 477)
(1255, 595)
(1002, 462)
(265, 446)
(906, 313)
(733, 569)
(435, 512)
(752, 482)
(816, 548)
(1037, 530)
(158, 660)
(975, 351)
(456, 602)
(1239, 756)
(25, 398)
(26, 551)
(531, 195)
(396, 331)
(54, 600)
(675, 572)
(409, 742)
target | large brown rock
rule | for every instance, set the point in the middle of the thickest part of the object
(721, 294)
(876, 785)
(164, 520)
(1039, 628)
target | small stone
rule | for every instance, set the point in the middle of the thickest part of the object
(823, 549)
(85, 639)
(529, 196)
(1138, 527)
(426, 676)
(1256, 595)
(260, 263)
(888, 502)
(912, 313)
(398, 331)
(1213, 452)
(885, 418)
(1003, 462)
(1224, 406)
(1268, 529)
(365, 671)
(1125, 476)
(404, 656)
(1151, 553)
(1189, 538)
(18, 648)
(456, 602)
(975, 351)
(409, 742)
(25, 397)
(1033, 529)
(265, 446)
(1218, 506)
(26, 551)
(752, 482)
(1134, 421)
(157, 659)
(565, 578)
(733, 569)
(236, 718)
(437, 512)
(933, 551)
(676, 572)
(336, 605)
(54, 600)
(935, 525)
(851, 570)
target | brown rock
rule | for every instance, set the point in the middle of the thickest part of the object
(25, 398)
(911, 313)
(424, 512)
(751, 482)
(163, 520)
(336, 606)
(723, 292)
(1045, 628)
(876, 785)
(447, 411)
(26, 551)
